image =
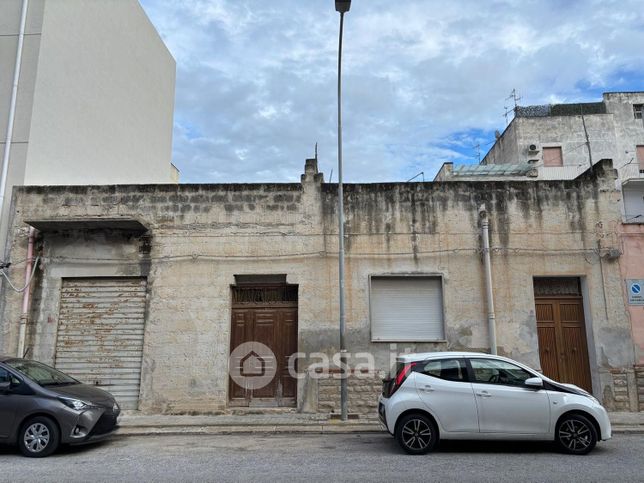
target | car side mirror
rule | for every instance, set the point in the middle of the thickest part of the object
(5, 386)
(534, 382)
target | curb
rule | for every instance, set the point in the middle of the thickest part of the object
(281, 429)
(125, 431)
(250, 429)
(628, 429)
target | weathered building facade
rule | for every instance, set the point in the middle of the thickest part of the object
(146, 289)
(561, 141)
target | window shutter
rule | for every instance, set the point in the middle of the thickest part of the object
(406, 309)
(552, 157)
(640, 157)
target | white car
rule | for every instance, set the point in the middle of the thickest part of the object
(466, 395)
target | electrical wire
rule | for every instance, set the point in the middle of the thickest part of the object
(322, 253)
(33, 271)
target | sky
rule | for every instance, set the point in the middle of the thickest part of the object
(424, 81)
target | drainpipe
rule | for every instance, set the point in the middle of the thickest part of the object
(26, 295)
(491, 319)
(12, 106)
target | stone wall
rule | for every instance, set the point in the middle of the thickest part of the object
(639, 384)
(200, 236)
(617, 398)
(363, 390)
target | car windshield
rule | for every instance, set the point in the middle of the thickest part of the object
(40, 373)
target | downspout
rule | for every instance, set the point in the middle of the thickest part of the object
(491, 318)
(26, 295)
(12, 106)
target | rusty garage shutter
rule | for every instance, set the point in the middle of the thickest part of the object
(100, 334)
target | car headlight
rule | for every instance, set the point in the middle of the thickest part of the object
(76, 404)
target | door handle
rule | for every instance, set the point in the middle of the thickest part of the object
(428, 388)
(484, 394)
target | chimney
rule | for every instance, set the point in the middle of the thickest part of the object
(311, 171)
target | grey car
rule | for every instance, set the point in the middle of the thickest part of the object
(41, 408)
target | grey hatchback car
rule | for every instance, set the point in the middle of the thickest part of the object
(41, 408)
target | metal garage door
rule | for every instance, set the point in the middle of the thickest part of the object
(100, 334)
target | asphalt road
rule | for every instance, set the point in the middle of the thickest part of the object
(346, 457)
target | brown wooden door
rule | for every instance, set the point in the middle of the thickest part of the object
(563, 349)
(275, 327)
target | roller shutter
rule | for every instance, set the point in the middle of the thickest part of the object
(100, 334)
(406, 309)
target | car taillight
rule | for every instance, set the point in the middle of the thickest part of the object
(400, 377)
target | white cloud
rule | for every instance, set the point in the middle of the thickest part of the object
(259, 78)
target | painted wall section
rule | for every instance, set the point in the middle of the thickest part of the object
(632, 239)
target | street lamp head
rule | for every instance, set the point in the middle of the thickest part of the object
(342, 6)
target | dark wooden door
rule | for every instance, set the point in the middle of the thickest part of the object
(563, 349)
(276, 328)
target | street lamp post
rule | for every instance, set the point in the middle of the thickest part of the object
(342, 6)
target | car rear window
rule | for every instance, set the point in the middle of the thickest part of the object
(447, 369)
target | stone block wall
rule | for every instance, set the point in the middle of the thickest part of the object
(639, 383)
(620, 398)
(363, 390)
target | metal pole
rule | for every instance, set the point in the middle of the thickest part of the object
(343, 350)
(491, 317)
(26, 295)
(12, 108)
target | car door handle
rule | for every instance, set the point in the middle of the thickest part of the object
(484, 394)
(428, 388)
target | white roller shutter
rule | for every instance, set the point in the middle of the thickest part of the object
(634, 202)
(406, 309)
(100, 334)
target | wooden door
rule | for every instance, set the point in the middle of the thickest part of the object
(276, 328)
(563, 349)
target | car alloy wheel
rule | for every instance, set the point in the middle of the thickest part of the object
(417, 434)
(39, 437)
(36, 437)
(576, 434)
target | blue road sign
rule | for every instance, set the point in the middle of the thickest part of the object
(635, 295)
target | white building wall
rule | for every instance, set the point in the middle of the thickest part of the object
(95, 99)
(104, 97)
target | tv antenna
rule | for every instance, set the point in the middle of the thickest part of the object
(508, 109)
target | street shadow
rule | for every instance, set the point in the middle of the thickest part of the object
(514, 447)
(63, 450)
(391, 446)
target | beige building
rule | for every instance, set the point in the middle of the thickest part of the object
(148, 289)
(561, 141)
(94, 98)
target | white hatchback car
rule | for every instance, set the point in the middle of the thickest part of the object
(466, 395)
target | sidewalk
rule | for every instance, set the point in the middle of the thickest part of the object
(256, 422)
(623, 422)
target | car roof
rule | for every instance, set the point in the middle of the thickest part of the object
(421, 356)
(5, 358)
